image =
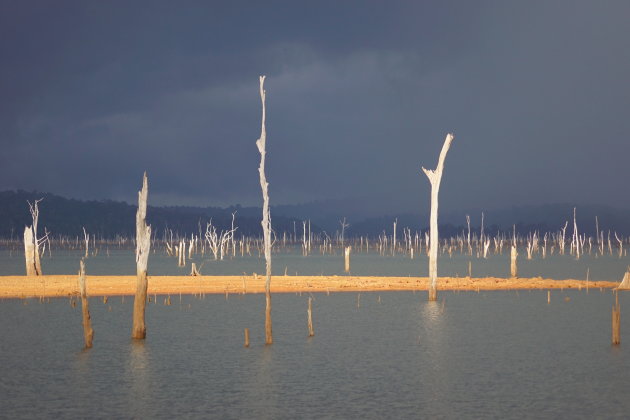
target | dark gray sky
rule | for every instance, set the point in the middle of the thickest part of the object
(360, 95)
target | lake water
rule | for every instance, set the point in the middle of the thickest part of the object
(122, 261)
(374, 355)
(381, 355)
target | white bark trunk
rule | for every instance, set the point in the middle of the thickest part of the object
(266, 216)
(29, 252)
(86, 238)
(143, 244)
(513, 267)
(435, 178)
(32, 243)
(625, 283)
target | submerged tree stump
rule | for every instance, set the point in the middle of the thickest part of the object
(88, 332)
(309, 312)
(143, 245)
(616, 321)
(193, 270)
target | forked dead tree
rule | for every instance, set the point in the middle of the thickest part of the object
(344, 225)
(219, 242)
(435, 178)
(266, 217)
(143, 245)
(32, 244)
(86, 237)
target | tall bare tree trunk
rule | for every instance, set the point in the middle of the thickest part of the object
(143, 244)
(266, 217)
(88, 332)
(29, 252)
(513, 264)
(435, 178)
(31, 243)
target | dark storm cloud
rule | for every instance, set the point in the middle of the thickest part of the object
(360, 95)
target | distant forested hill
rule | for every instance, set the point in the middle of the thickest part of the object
(106, 218)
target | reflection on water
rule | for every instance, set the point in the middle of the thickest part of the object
(431, 311)
(486, 355)
(262, 389)
(138, 373)
(434, 331)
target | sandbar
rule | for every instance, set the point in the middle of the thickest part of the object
(67, 285)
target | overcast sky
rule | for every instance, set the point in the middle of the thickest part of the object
(360, 95)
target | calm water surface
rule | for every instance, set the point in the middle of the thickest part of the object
(121, 262)
(487, 355)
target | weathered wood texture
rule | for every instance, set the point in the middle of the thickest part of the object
(88, 332)
(143, 245)
(625, 282)
(31, 243)
(266, 216)
(435, 178)
(616, 321)
(513, 263)
(309, 311)
(29, 252)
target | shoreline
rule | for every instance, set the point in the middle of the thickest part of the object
(67, 285)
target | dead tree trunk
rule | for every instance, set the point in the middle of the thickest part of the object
(32, 243)
(347, 251)
(193, 270)
(181, 255)
(86, 237)
(266, 217)
(88, 332)
(435, 178)
(625, 282)
(29, 252)
(513, 266)
(309, 312)
(143, 244)
(616, 321)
